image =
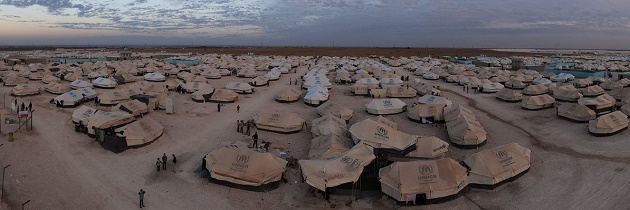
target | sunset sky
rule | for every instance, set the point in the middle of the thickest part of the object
(383, 23)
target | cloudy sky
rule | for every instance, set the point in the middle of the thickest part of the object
(384, 23)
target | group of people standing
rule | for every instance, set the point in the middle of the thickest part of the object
(240, 125)
(161, 164)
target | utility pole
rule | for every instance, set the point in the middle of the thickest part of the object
(3, 170)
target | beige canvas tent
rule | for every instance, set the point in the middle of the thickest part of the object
(83, 114)
(600, 103)
(360, 89)
(423, 89)
(240, 87)
(245, 167)
(50, 79)
(592, 91)
(25, 90)
(327, 125)
(534, 90)
(429, 147)
(431, 99)
(576, 112)
(104, 120)
(493, 167)
(380, 135)
(259, 81)
(466, 132)
(346, 168)
(114, 97)
(57, 88)
(567, 93)
(509, 95)
(388, 122)
(430, 112)
(538, 102)
(191, 87)
(14, 80)
(400, 92)
(329, 147)
(133, 107)
(291, 94)
(224, 96)
(453, 112)
(140, 132)
(280, 122)
(385, 106)
(431, 180)
(335, 109)
(515, 84)
(608, 124)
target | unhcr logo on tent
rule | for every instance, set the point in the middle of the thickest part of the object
(381, 133)
(502, 154)
(346, 159)
(242, 159)
(425, 169)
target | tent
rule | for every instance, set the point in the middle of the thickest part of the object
(88, 93)
(36, 76)
(154, 77)
(566, 93)
(279, 122)
(104, 120)
(609, 85)
(493, 167)
(72, 76)
(541, 81)
(83, 114)
(133, 107)
(69, 99)
(592, 91)
(429, 112)
(358, 76)
(388, 122)
(336, 110)
(431, 76)
(240, 87)
(425, 182)
(400, 92)
(385, 106)
(429, 147)
(25, 90)
(124, 78)
(391, 82)
(211, 74)
(316, 81)
(150, 87)
(244, 167)
(576, 112)
(80, 84)
(466, 132)
(534, 90)
(426, 89)
(97, 74)
(431, 99)
(316, 97)
(141, 132)
(582, 83)
(379, 135)
(259, 81)
(346, 168)
(50, 79)
(329, 147)
(509, 95)
(453, 112)
(329, 125)
(191, 87)
(491, 87)
(538, 102)
(203, 95)
(600, 103)
(248, 73)
(370, 82)
(515, 84)
(291, 94)
(608, 124)
(14, 80)
(113, 97)
(224, 96)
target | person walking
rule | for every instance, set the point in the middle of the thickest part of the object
(255, 138)
(141, 195)
(238, 108)
(174, 159)
(249, 125)
(158, 164)
(238, 126)
(164, 161)
(219, 107)
(30, 106)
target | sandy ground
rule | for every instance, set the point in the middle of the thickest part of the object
(56, 168)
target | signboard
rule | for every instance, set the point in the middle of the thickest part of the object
(11, 120)
(23, 114)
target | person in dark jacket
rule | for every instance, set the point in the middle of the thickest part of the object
(164, 160)
(174, 159)
(141, 195)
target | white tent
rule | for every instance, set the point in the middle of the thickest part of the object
(154, 77)
(385, 106)
(80, 84)
(240, 87)
(104, 83)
